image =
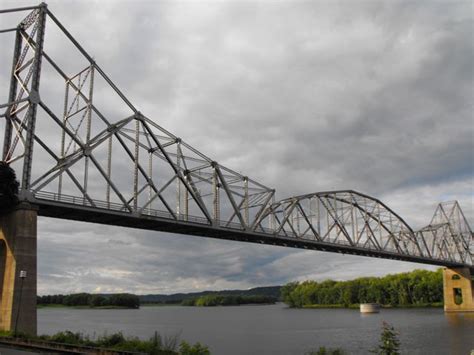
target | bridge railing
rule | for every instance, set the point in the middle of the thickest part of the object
(112, 206)
(285, 233)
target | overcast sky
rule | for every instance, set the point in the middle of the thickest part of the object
(303, 96)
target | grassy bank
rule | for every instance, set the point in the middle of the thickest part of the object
(156, 345)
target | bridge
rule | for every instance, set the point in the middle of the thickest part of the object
(82, 151)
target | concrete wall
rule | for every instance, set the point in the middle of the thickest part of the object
(463, 281)
(18, 252)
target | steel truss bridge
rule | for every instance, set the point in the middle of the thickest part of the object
(98, 159)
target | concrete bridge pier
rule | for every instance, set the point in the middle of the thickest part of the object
(458, 290)
(17, 256)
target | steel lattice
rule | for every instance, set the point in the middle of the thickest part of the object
(127, 170)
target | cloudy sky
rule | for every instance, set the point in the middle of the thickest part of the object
(303, 96)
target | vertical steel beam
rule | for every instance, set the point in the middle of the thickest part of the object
(11, 97)
(186, 200)
(215, 187)
(319, 215)
(246, 199)
(298, 217)
(150, 179)
(353, 221)
(178, 181)
(135, 168)
(88, 126)
(356, 222)
(63, 134)
(109, 171)
(77, 95)
(34, 99)
(271, 221)
(327, 219)
(379, 222)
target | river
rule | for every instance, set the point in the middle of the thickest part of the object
(274, 329)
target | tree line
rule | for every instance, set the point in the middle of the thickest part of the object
(227, 300)
(125, 300)
(419, 287)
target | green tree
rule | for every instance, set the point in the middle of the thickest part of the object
(389, 343)
(8, 187)
(286, 293)
(124, 300)
(418, 288)
(97, 301)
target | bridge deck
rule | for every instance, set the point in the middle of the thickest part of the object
(197, 227)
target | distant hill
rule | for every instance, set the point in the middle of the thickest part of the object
(273, 291)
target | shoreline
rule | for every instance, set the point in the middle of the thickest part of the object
(42, 306)
(356, 306)
(310, 306)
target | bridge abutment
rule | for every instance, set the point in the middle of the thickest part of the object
(18, 246)
(458, 290)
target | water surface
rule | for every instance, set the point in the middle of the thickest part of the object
(274, 329)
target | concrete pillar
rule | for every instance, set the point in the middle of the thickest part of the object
(458, 281)
(18, 253)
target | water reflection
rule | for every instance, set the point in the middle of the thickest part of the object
(276, 329)
(458, 318)
(458, 339)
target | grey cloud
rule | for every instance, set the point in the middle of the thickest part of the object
(305, 96)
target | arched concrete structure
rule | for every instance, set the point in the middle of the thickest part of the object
(458, 281)
(18, 253)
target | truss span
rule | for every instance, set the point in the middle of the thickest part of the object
(357, 220)
(97, 158)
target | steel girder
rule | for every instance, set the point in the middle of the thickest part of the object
(448, 236)
(92, 159)
(350, 218)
